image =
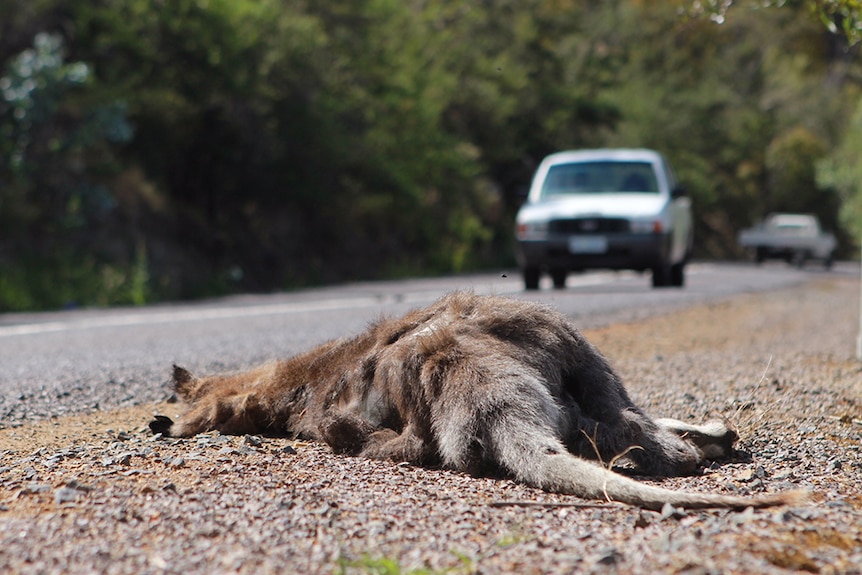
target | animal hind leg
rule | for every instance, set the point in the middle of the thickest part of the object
(715, 439)
(632, 434)
(604, 422)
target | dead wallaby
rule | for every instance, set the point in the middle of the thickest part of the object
(481, 384)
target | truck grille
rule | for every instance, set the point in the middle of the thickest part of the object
(588, 226)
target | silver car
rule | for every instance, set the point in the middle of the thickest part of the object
(611, 209)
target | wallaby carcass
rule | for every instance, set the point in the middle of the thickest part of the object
(481, 384)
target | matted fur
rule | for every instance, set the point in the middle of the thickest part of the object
(481, 384)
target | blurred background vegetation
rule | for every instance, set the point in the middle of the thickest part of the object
(164, 149)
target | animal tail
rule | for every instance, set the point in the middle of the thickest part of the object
(542, 461)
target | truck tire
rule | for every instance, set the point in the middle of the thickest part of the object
(677, 274)
(661, 275)
(531, 278)
(558, 276)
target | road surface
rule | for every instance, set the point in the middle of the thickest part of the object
(60, 363)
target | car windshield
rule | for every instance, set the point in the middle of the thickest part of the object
(600, 177)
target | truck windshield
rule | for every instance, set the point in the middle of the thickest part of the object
(600, 177)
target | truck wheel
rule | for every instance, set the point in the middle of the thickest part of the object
(759, 255)
(661, 275)
(559, 278)
(798, 259)
(531, 278)
(677, 274)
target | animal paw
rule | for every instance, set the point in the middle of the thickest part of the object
(161, 424)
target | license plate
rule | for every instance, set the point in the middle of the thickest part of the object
(588, 244)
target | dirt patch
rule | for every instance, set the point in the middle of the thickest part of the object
(60, 432)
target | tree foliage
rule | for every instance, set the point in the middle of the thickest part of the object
(842, 172)
(838, 16)
(175, 149)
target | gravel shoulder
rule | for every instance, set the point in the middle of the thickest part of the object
(97, 493)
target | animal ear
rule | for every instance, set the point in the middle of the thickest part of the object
(182, 377)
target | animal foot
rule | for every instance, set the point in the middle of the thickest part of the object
(345, 433)
(714, 438)
(161, 424)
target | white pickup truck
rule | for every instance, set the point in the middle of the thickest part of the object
(795, 238)
(611, 209)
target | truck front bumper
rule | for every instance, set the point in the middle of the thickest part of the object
(615, 251)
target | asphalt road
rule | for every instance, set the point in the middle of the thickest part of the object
(59, 363)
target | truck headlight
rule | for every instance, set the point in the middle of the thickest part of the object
(646, 226)
(532, 230)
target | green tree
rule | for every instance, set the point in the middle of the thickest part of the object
(296, 143)
(722, 101)
(841, 171)
(838, 16)
(403, 182)
(261, 144)
(791, 160)
(56, 143)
